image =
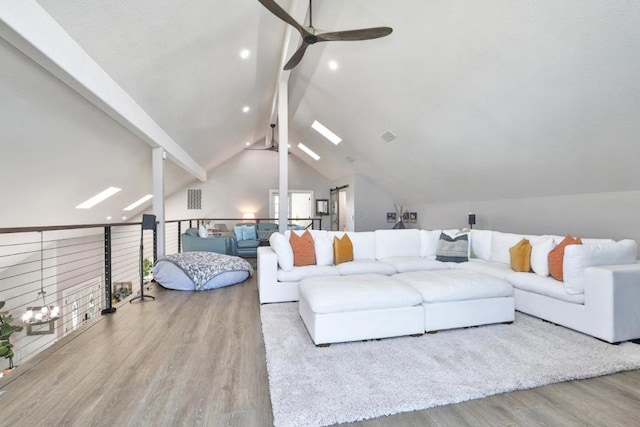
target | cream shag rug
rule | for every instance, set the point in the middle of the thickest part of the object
(313, 386)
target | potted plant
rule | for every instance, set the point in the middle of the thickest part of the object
(6, 329)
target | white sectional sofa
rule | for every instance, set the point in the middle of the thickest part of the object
(600, 295)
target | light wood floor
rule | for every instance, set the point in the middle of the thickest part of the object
(198, 359)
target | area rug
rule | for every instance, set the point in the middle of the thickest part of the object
(313, 386)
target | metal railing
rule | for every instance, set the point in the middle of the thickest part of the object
(85, 270)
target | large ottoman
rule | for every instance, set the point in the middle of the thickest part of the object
(460, 298)
(359, 307)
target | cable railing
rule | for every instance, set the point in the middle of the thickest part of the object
(85, 270)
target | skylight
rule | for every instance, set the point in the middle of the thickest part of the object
(137, 203)
(309, 151)
(88, 204)
(324, 131)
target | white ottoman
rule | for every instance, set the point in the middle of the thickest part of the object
(460, 298)
(359, 307)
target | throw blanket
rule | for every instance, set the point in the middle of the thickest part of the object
(201, 267)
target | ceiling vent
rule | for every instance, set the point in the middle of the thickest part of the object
(194, 198)
(388, 136)
(349, 159)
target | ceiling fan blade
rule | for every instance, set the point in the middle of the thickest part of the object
(295, 59)
(274, 8)
(353, 35)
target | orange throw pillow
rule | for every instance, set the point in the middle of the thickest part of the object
(520, 256)
(556, 256)
(304, 252)
(342, 249)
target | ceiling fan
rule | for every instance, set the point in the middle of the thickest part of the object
(309, 35)
(272, 147)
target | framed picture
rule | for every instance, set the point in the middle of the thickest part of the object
(405, 217)
(322, 207)
(391, 217)
(413, 217)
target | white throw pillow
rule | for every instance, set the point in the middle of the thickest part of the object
(540, 256)
(281, 246)
(202, 232)
(429, 242)
(579, 257)
(323, 246)
(481, 244)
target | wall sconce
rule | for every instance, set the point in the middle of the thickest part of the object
(472, 220)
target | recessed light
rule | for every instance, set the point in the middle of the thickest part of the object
(309, 151)
(245, 109)
(247, 143)
(109, 218)
(245, 53)
(333, 65)
(138, 202)
(324, 131)
(124, 217)
(88, 204)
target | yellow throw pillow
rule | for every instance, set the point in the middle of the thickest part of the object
(342, 249)
(304, 252)
(556, 256)
(520, 255)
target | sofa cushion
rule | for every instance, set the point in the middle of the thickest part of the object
(495, 269)
(364, 244)
(500, 244)
(245, 244)
(298, 273)
(280, 245)
(540, 256)
(452, 249)
(356, 293)
(408, 263)
(429, 242)
(520, 256)
(547, 286)
(342, 249)
(304, 252)
(481, 244)
(366, 266)
(397, 243)
(579, 257)
(556, 256)
(455, 285)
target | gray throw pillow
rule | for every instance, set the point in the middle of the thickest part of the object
(453, 250)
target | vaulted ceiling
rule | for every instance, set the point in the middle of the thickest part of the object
(488, 100)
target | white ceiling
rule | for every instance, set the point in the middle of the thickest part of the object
(489, 100)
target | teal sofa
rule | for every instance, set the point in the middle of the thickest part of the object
(191, 242)
(242, 246)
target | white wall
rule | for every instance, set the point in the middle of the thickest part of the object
(607, 215)
(242, 183)
(371, 206)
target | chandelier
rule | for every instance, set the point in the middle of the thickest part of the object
(44, 314)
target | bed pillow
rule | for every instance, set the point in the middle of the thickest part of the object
(282, 248)
(556, 256)
(342, 249)
(453, 249)
(540, 256)
(520, 256)
(303, 249)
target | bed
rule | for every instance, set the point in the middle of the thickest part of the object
(200, 271)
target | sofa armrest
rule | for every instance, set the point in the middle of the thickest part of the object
(267, 273)
(612, 298)
(216, 244)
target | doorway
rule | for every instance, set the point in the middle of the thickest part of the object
(338, 202)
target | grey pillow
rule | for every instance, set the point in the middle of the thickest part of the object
(453, 250)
